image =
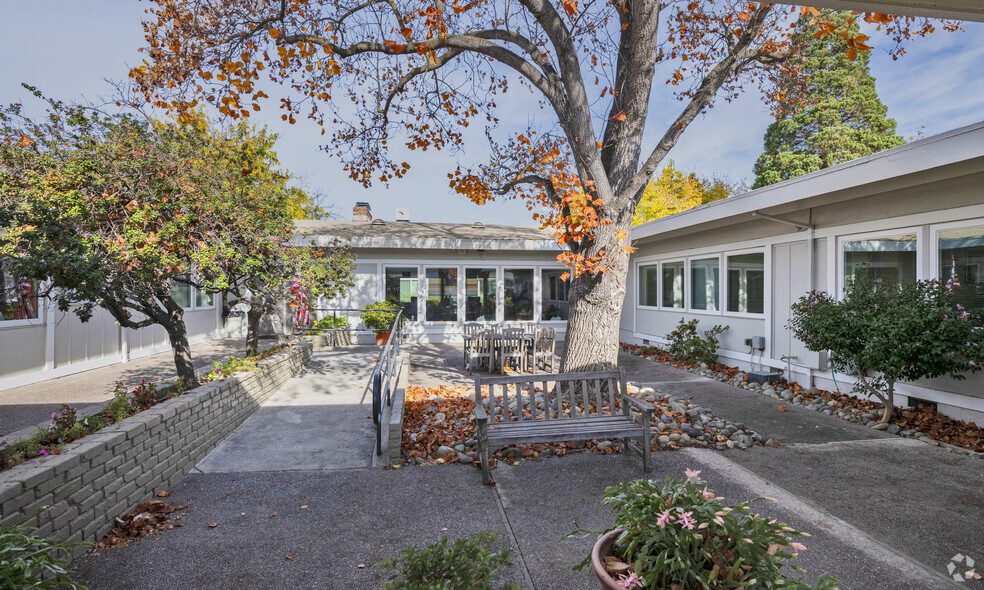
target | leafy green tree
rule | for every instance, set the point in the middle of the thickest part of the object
(834, 112)
(113, 210)
(674, 190)
(884, 335)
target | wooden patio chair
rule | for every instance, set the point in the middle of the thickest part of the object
(481, 351)
(512, 348)
(543, 350)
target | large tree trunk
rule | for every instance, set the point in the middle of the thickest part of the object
(596, 308)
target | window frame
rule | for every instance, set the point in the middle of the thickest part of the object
(689, 290)
(424, 286)
(934, 241)
(840, 264)
(463, 312)
(419, 268)
(766, 278)
(40, 320)
(658, 265)
(501, 296)
(538, 311)
(686, 285)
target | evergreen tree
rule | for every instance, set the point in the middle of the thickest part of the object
(836, 115)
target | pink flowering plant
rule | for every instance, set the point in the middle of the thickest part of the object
(884, 333)
(678, 534)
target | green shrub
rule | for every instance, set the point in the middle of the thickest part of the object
(381, 315)
(466, 564)
(331, 323)
(679, 534)
(29, 561)
(229, 367)
(886, 334)
(687, 345)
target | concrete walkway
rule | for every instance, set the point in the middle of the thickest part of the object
(29, 405)
(882, 513)
(319, 420)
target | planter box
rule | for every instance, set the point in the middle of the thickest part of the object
(77, 494)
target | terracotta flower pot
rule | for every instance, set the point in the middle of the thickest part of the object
(382, 336)
(601, 549)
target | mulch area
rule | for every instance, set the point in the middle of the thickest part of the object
(926, 419)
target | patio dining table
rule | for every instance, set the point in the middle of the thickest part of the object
(497, 340)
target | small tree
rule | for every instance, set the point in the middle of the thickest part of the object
(673, 191)
(884, 335)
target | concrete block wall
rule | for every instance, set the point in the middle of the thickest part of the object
(393, 438)
(77, 494)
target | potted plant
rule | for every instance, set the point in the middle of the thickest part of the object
(677, 534)
(380, 316)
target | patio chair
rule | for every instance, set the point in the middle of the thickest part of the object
(481, 351)
(468, 333)
(542, 352)
(512, 348)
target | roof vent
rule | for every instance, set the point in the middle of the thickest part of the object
(377, 221)
(478, 225)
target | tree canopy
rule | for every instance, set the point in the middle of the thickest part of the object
(832, 114)
(113, 210)
(674, 191)
(418, 72)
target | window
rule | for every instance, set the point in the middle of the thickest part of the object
(648, 291)
(962, 260)
(517, 294)
(704, 292)
(480, 295)
(18, 298)
(442, 295)
(181, 293)
(673, 284)
(554, 300)
(746, 283)
(889, 261)
(203, 299)
(400, 285)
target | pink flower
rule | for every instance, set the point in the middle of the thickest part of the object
(686, 520)
(663, 520)
(798, 546)
(708, 494)
(630, 581)
(693, 474)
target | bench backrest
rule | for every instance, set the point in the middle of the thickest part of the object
(577, 395)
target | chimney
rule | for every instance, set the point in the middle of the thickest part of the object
(362, 212)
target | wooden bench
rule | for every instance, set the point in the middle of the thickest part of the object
(567, 407)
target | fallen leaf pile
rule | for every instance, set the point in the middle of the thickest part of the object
(942, 428)
(663, 357)
(146, 519)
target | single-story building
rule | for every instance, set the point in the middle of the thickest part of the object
(913, 212)
(446, 274)
(38, 342)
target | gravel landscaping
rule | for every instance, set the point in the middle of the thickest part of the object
(921, 423)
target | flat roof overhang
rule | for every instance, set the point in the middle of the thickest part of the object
(947, 155)
(972, 10)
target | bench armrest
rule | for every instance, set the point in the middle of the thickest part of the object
(641, 404)
(480, 414)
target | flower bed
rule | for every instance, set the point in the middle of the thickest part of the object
(439, 427)
(923, 423)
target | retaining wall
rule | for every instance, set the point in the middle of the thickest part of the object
(78, 493)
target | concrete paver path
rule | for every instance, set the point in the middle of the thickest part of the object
(318, 420)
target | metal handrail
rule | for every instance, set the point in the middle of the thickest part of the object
(382, 377)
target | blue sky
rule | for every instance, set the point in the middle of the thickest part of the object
(938, 85)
